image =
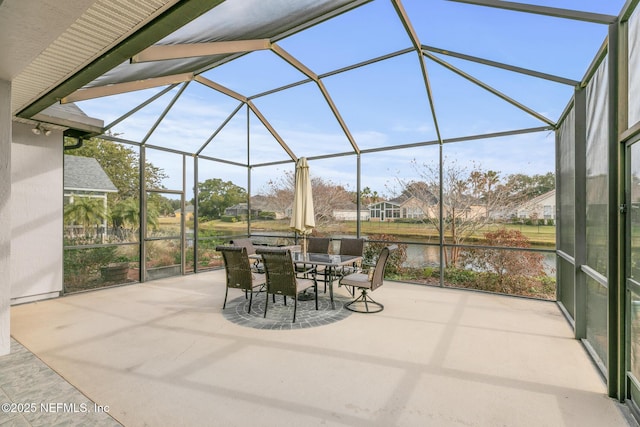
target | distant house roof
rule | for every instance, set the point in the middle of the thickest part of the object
(346, 206)
(538, 200)
(86, 174)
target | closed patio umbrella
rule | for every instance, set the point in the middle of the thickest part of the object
(302, 217)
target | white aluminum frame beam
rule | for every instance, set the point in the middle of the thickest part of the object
(273, 132)
(119, 88)
(222, 89)
(191, 50)
(404, 18)
(286, 56)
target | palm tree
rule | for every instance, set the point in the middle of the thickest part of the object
(85, 211)
(127, 213)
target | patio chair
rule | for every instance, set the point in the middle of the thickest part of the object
(238, 272)
(354, 247)
(368, 282)
(351, 247)
(282, 278)
(251, 250)
(318, 245)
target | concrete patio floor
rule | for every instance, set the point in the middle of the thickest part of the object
(163, 354)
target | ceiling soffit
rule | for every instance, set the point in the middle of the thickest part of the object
(103, 24)
(108, 33)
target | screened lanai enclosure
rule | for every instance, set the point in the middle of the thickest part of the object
(494, 141)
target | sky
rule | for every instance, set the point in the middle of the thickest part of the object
(383, 104)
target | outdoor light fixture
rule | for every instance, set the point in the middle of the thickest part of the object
(39, 129)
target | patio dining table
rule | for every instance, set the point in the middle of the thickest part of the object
(330, 261)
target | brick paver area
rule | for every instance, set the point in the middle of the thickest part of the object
(280, 316)
(32, 394)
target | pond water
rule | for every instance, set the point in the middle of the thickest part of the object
(419, 254)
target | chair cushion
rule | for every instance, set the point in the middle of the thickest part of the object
(258, 279)
(359, 280)
(302, 284)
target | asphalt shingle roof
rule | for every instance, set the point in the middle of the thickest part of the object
(85, 173)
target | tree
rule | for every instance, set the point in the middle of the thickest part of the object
(512, 270)
(368, 197)
(327, 196)
(215, 195)
(526, 187)
(373, 248)
(471, 198)
(126, 213)
(122, 165)
(85, 211)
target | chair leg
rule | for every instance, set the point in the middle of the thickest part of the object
(266, 303)
(315, 290)
(224, 304)
(295, 308)
(366, 299)
(250, 301)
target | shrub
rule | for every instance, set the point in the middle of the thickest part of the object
(374, 246)
(82, 266)
(459, 276)
(267, 215)
(228, 218)
(508, 271)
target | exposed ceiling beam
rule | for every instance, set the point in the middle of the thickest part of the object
(490, 89)
(325, 93)
(307, 24)
(213, 85)
(164, 113)
(118, 88)
(139, 107)
(597, 18)
(338, 116)
(402, 14)
(294, 62)
(219, 129)
(177, 16)
(273, 132)
(191, 50)
(513, 68)
(404, 18)
(459, 139)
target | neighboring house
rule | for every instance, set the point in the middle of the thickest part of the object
(258, 204)
(401, 207)
(242, 209)
(84, 177)
(541, 207)
(384, 211)
(349, 212)
(413, 208)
